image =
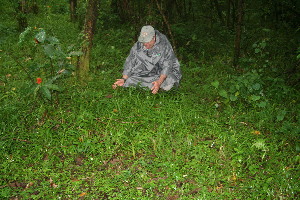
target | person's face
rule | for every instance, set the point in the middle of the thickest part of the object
(149, 45)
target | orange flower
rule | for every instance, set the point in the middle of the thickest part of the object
(38, 80)
(256, 132)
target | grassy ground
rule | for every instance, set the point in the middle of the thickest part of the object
(93, 142)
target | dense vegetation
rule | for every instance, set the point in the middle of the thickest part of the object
(228, 132)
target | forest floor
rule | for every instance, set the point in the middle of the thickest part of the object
(93, 142)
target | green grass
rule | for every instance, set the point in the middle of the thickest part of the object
(97, 143)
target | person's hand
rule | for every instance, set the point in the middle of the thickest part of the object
(119, 82)
(156, 86)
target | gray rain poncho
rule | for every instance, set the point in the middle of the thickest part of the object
(143, 66)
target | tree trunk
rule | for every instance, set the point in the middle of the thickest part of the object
(233, 13)
(238, 33)
(191, 10)
(217, 6)
(228, 14)
(73, 10)
(21, 16)
(35, 7)
(167, 24)
(89, 30)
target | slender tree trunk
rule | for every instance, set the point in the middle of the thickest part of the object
(35, 7)
(233, 13)
(167, 24)
(238, 34)
(89, 30)
(184, 8)
(191, 10)
(228, 13)
(21, 15)
(217, 6)
(73, 10)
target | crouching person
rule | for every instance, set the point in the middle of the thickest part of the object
(151, 63)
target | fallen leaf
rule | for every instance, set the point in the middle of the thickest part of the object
(82, 194)
(256, 132)
(173, 197)
(195, 191)
(46, 157)
(233, 178)
(29, 185)
(109, 96)
(61, 71)
(17, 184)
(27, 59)
(52, 184)
(114, 161)
(79, 161)
(219, 187)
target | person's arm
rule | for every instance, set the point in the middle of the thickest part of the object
(125, 77)
(166, 67)
(120, 82)
(157, 84)
(127, 68)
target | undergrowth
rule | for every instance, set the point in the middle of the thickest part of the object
(203, 140)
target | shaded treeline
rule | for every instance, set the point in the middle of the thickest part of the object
(242, 19)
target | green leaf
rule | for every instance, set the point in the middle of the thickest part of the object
(41, 36)
(262, 104)
(256, 86)
(281, 115)
(53, 79)
(297, 147)
(223, 93)
(233, 98)
(232, 89)
(35, 67)
(53, 40)
(194, 37)
(269, 180)
(260, 144)
(266, 29)
(36, 89)
(257, 50)
(46, 92)
(255, 98)
(263, 44)
(69, 67)
(49, 50)
(24, 34)
(75, 53)
(215, 84)
(52, 87)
